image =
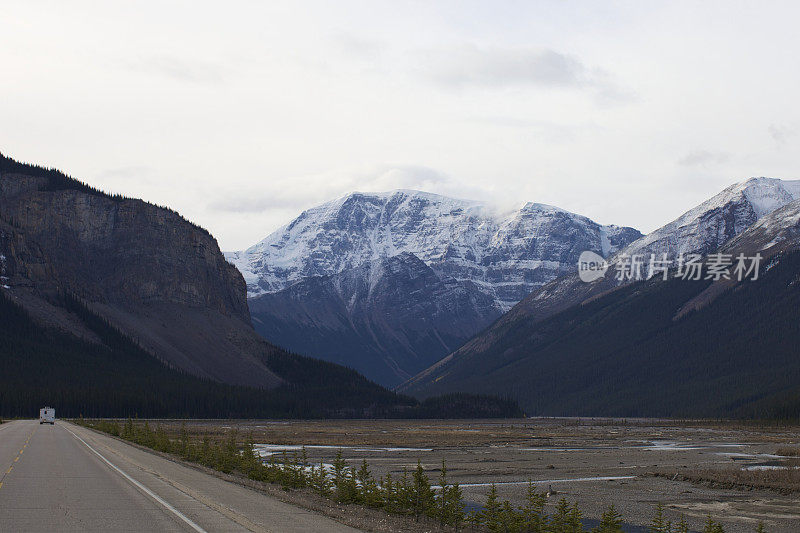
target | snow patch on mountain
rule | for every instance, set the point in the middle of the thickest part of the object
(507, 254)
(722, 217)
(772, 229)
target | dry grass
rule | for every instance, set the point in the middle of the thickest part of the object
(784, 481)
(788, 451)
(458, 433)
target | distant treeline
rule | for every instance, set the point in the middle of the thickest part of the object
(58, 181)
(117, 378)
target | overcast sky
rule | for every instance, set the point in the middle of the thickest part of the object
(240, 115)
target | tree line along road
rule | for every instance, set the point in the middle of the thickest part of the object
(69, 478)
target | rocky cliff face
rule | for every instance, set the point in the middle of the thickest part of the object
(154, 275)
(114, 250)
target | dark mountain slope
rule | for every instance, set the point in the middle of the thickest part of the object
(115, 307)
(700, 230)
(674, 348)
(158, 278)
(624, 354)
(390, 318)
(114, 377)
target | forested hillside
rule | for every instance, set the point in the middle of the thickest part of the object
(634, 352)
(41, 366)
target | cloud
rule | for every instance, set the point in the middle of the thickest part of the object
(133, 180)
(123, 173)
(780, 133)
(306, 191)
(545, 130)
(470, 66)
(703, 157)
(361, 48)
(234, 203)
(180, 69)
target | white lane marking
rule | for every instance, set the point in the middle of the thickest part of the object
(142, 487)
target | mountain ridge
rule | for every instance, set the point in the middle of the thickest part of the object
(556, 314)
(322, 270)
(464, 239)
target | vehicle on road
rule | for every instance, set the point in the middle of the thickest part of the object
(47, 415)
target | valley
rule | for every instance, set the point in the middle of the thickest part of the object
(633, 463)
(479, 267)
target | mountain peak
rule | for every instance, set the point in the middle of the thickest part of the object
(725, 215)
(535, 207)
(506, 254)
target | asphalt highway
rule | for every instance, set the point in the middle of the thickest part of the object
(68, 478)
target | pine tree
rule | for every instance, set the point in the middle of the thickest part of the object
(249, 461)
(347, 490)
(510, 520)
(205, 457)
(318, 480)
(449, 507)
(659, 523)
(161, 441)
(490, 516)
(533, 517)
(128, 431)
(339, 470)
(444, 489)
(610, 521)
(389, 494)
(423, 499)
(455, 506)
(682, 526)
(560, 518)
(574, 524)
(369, 493)
(404, 494)
(712, 526)
(183, 446)
(304, 457)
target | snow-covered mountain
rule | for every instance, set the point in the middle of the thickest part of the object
(720, 218)
(749, 216)
(675, 348)
(389, 283)
(506, 254)
(773, 229)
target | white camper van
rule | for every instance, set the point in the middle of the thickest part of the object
(47, 415)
